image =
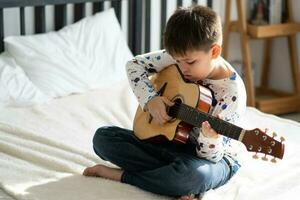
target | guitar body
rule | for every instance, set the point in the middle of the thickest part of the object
(177, 90)
(191, 108)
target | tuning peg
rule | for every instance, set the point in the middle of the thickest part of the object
(255, 156)
(282, 139)
(273, 160)
(265, 158)
(266, 130)
(274, 134)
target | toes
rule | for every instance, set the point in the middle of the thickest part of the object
(90, 171)
(93, 171)
(86, 172)
(187, 197)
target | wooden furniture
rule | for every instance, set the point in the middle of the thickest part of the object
(264, 98)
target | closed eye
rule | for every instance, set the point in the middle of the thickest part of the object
(190, 63)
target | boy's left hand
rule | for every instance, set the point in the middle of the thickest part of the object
(208, 131)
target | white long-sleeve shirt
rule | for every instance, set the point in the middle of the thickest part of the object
(229, 100)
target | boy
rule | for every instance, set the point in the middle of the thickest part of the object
(193, 39)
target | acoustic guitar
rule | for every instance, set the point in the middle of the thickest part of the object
(191, 106)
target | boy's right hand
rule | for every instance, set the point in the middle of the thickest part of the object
(157, 109)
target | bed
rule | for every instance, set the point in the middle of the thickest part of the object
(46, 132)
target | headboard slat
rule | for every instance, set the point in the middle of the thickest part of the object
(139, 12)
(23, 3)
(163, 19)
(60, 16)
(79, 11)
(179, 3)
(135, 9)
(40, 21)
(210, 3)
(148, 26)
(22, 20)
(130, 25)
(99, 6)
(1, 30)
(118, 9)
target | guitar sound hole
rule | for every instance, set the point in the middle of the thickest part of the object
(178, 101)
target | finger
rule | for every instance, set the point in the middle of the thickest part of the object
(207, 130)
(213, 134)
(165, 116)
(156, 122)
(160, 119)
(163, 113)
(212, 131)
(219, 116)
(206, 125)
(204, 128)
(157, 119)
(168, 102)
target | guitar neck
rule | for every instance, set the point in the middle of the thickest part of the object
(195, 117)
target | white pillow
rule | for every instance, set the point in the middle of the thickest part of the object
(88, 54)
(15, 87)
(4, 95)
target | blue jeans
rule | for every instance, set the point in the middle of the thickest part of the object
(166, 169)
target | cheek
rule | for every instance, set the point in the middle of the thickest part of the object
(200, 71)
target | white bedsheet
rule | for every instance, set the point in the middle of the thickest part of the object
(44, 149)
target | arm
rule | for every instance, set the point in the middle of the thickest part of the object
(229, 108)
(139, 69)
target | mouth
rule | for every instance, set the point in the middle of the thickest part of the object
(189, 78)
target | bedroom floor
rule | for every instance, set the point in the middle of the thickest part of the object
(292, 116)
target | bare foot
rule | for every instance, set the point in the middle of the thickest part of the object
(187, 197)
(191, 197)
(104, 171)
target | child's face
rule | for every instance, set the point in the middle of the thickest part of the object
(195, 65)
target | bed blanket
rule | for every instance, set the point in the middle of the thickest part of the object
(44, 149)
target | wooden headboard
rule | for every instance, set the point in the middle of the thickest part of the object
(138, 17)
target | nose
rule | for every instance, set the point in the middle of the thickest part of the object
(184, 68)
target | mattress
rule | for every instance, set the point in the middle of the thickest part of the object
(45, 148)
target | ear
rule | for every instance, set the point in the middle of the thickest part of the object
(216, 51)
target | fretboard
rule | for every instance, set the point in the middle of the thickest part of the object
(195, 117)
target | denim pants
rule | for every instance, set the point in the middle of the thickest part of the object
(166, 169)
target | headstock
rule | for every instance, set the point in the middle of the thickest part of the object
(258, 141)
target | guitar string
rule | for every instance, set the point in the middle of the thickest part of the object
(181, 110)
(232, 130)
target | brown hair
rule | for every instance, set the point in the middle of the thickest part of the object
(192, 28)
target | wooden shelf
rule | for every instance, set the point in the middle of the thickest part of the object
(265, 31)
(276, 102)
(264, 98)
(275, 30)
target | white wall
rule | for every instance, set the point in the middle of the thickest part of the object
(280, 67)
(280, 75)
